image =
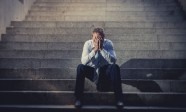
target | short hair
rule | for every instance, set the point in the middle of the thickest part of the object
(100, 31)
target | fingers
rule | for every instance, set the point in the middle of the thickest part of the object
(98, 44)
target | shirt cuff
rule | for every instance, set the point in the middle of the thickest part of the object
(104, 53)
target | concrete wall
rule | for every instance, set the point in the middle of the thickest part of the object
(13, 10)
(183, 3)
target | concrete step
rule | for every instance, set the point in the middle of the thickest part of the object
(84, 37)
(38, 63)
(145, 24)
(95, 108)
(103, 4)
(107, 13)
(71, 1)
(61, 54)
(108, 1)
(50, 24)
(68, 13)
(73, 62)
(69, 85)
(91, 98)
(70, 73)
(131, 7)
(118, 45)
(143, 13)
(136, 1)
(101, 18)
(58, 24)
(146, 31)
(110, 31)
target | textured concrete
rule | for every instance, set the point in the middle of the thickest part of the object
(69, 73)
(39, 55)
(130, 85)
(92, 98)
(183, 4)
(13, 10)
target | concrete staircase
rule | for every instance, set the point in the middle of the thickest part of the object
(39, 56)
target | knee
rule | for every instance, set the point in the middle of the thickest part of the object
(80, 69)
(80, 66)
(114, 70)
(115, 67)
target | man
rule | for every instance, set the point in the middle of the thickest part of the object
(98, 65)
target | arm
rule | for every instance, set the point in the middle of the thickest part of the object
(108, 53)
(87, 55)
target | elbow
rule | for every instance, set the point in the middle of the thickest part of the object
(83, 62)
(113, 60)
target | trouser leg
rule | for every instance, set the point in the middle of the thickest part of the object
(82, 72)
(114, 73)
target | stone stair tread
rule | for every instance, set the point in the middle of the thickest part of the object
(101, 4)
(83, 37)
(128, 85)
(101, 18)
(73, 62)
(102, 108)
(62, 54)
(110, 31)
(50, 24)
(169, 99)
(108, 13)
(110, 8)
(69, 73)
(129, 46)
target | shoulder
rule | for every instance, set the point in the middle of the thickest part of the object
(88, 42)
(108, 42)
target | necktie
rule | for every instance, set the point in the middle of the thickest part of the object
(97, 66)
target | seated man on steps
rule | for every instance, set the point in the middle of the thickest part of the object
(98, 65)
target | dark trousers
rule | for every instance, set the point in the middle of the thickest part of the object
(109, 76)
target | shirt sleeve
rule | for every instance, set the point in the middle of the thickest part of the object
(87, 55)
(108, 53)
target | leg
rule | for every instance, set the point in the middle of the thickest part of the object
(114, 73)
(110, 76)
(104, 82)
(82, 72)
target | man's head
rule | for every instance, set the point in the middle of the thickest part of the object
(98, 33)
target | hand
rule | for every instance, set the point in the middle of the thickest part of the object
(96, 44)
(101, 44)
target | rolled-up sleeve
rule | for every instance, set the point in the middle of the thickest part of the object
(87, 55)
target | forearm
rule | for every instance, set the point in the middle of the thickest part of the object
(108, 56)
(85, 59)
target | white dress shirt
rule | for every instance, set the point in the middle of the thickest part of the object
(102, 57)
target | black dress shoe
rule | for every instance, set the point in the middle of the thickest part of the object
(119, 104)
(78, 104)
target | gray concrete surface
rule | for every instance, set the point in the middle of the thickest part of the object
(12, 10)
(183, 3)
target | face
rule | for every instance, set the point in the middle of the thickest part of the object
(96, 36)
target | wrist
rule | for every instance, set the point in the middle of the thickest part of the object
(101, 48)
(95, 50)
